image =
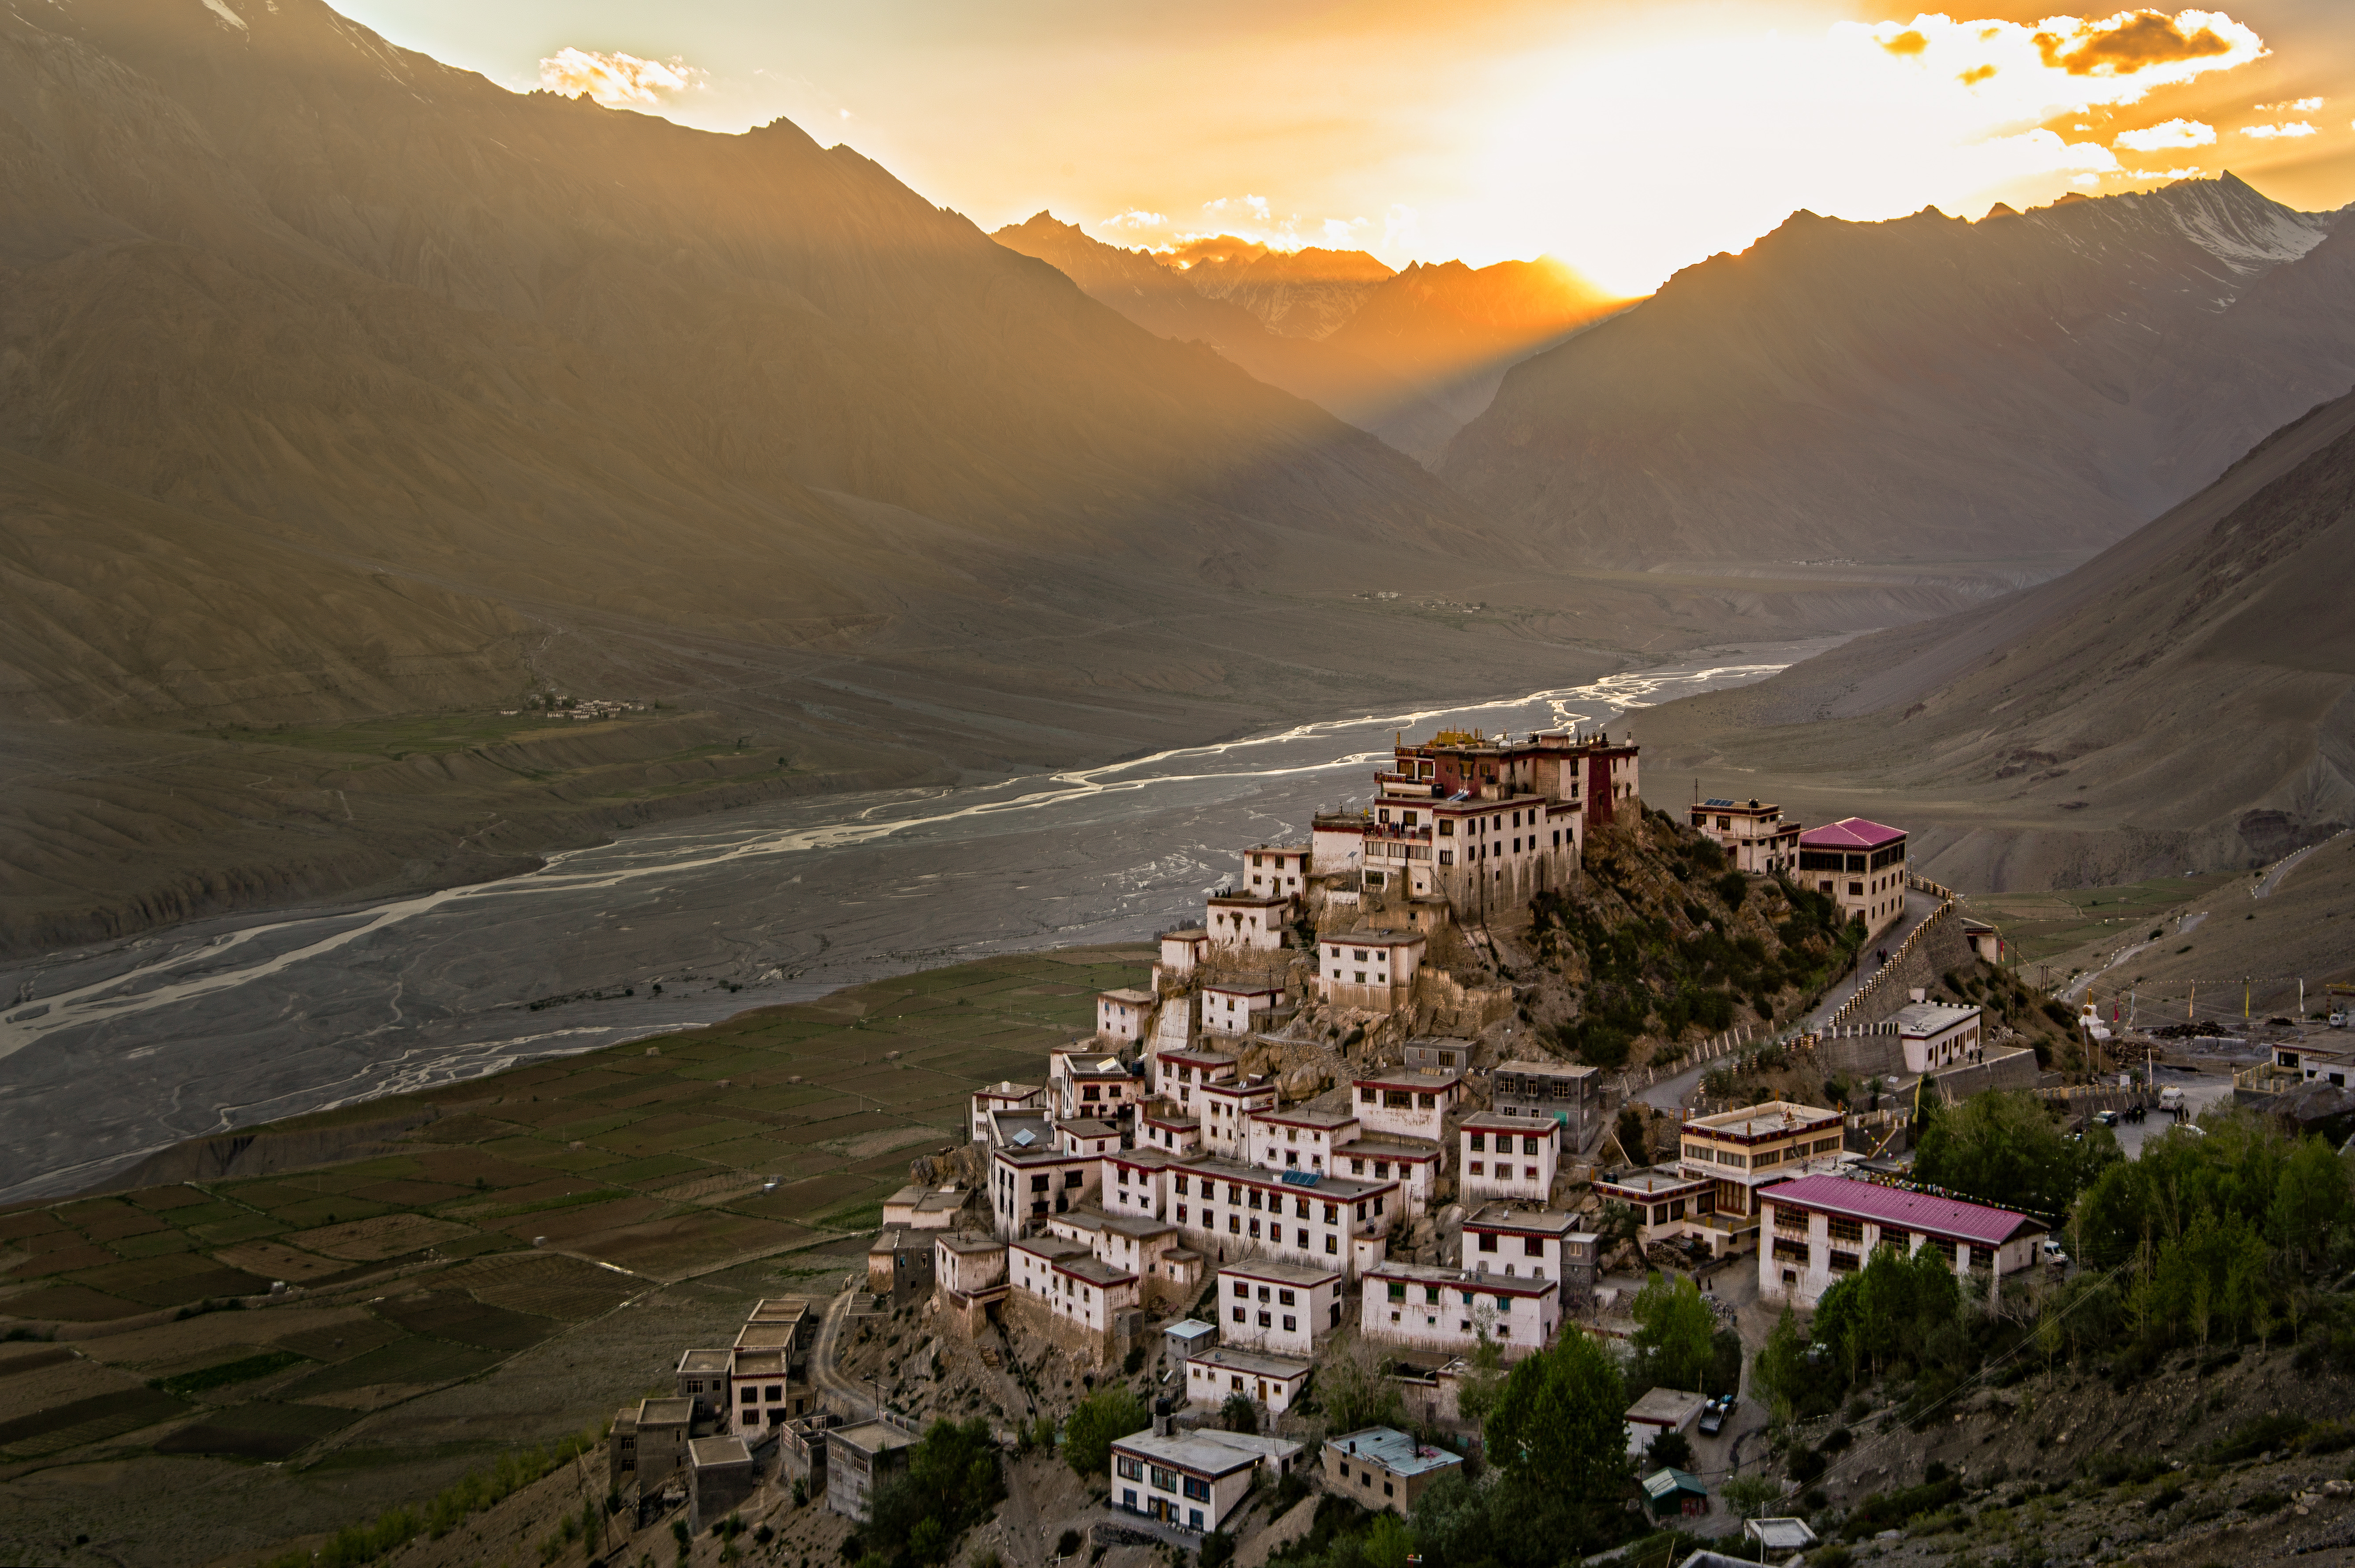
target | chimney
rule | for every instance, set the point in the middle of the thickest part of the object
(1161, 1418)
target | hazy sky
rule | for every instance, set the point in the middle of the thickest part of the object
(1628, 140)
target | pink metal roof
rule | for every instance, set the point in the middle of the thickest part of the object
(1899, 1208)
(1849, 833)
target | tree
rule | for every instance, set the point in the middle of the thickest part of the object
(1751, 1496)
(1482, 1381)
(1354, 1389)
(950, 1485)
(2309, 1201)
(1674, 1326)
(1561, 1421)
(1389, 1543)
(1631, 1136)
(1111, 1413)
(2004, 1148)
(1671, 1448)
(1239, 1414)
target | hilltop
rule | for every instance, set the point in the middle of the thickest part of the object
(2022, 390)
(2180, 703)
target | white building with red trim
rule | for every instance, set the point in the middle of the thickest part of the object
(1859, 865)
(1232, 1211)
(1409, 1102)
(1506, 1157)
(1421, 1308)
(1825, 1227)
(1270, 1304)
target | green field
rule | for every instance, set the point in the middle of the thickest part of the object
(2036, 926)
(638, 1165)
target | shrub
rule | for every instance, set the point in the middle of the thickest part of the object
(1067, 1544)
(1216, 1548)
(1107, 1415)
(2264, 1433)
(1733, 887)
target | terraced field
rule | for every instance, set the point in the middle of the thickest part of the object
(441, 1286)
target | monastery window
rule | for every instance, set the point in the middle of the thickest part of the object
(1332, 1246)
(1382, 1167)
(1446, 828)
(1488, 1241)
(1529, 1145)
(1842, 1229)
(1479, 1141)
(1478, 1169)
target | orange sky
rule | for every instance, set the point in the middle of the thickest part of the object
(1628, 140)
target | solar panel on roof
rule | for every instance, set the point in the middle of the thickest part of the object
(1304, 1177)
(1713, 801)
(1025, 1138)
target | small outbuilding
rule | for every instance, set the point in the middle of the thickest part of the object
(1674, 1491)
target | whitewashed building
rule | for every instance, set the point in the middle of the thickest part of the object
(1938, 1035)
(1267, 1303)
(1277, 868)
(1413, 1164)
(1249, 922)
(1239, 1007)
(1085, 1081)
(1161, 1128)
(1182, 951)
(1070, 1280)
(1178, 1072)
(1233, 1210)
(1424, 1308)
(1407, 1102)
(1003, 1096)
(1531, 1244)
(1136, 1182)
(1125, 1015)
(967, 1261)
(1227, 1109)
(1297, 1137)
(1507, 1156)
(1029, 1184)
(1824, 1228)
(1215, 1375)
(1374, 970)
(1194, 1481)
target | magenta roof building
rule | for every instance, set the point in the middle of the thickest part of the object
(1819, 1229)
(1859, 865)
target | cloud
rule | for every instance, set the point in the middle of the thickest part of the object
(2167, 134)
(2134, 41)
(1717, 138)
(1255, 206)
(1135, 218)
(617, 81)
(1401, 225)
(2192, 173)
(2302, 105)
(2269, 133)
(1342, 230)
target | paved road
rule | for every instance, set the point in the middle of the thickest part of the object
(1670, 1093)
(1919, 907)
(823, 1353)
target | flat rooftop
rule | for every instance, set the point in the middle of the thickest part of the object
(1277, 1270)
(703, 1362)
(1522, 1221)
(1545, 1068)
(1427, 1080)
(1767, 1119)
(1924, 1019)
(1393, 1450)
(704, 1453)
(1251, 1363)
(873, 1436)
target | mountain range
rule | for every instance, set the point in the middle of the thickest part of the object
(1410, 356)
(2184, 701)
(342, 388)
(2029, 387)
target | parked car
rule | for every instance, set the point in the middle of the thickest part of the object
(2107, 1118)
(1714, 1415)
(2054, 1252)
(2339, 1018)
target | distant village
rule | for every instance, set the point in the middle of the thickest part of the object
(1273, 1143)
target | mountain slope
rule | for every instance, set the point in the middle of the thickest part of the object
(1164, 300)
(2185, 700)
(1457, 329)
(2031, 386)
